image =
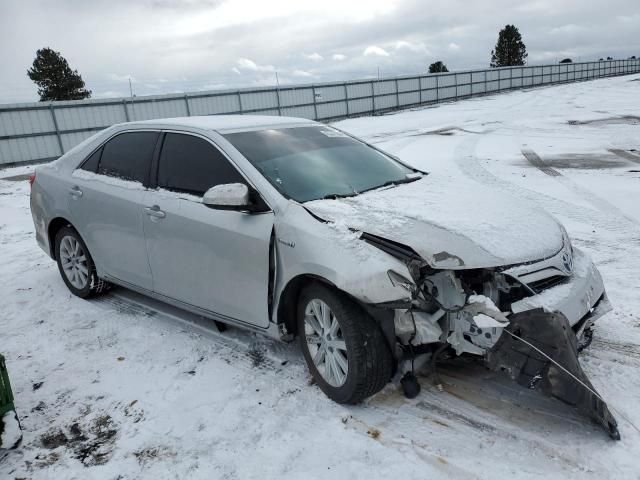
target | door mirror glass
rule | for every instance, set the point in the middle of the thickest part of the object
(230, 196)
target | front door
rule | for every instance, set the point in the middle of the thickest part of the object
(212, 259)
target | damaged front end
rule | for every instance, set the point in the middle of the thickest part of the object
(530, 330)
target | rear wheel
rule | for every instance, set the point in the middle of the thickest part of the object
(343, 346)
(76, 265)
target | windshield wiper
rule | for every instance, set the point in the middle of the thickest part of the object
(392, 182)
(335, 196)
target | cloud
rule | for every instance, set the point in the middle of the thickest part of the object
(316, 57)
(413, 47)
(114, 77)
(374, 50)
(301, 73)
(570, 29)
(194, 43)
(247, 64)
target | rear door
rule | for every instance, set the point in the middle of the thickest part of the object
(212, 259)
(105, 202)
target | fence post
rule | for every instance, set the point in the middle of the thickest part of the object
(278, 98)
(397, 94)
(55, 125)
(455, 79)
(186, 102)
(126, 112)
(346, 97)
(315, 106)
(373, 97)
(437, 88)
(240, 102)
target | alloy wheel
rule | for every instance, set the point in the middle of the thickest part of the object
(74, 262)
(326, 343)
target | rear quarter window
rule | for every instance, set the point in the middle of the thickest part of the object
(92, 161)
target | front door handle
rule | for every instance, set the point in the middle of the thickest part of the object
(75, 191)
(155, 212)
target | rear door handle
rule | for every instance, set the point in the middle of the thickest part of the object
(155, 212)
(75, 191)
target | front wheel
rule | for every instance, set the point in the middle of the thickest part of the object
(343, 346)
(76, 265)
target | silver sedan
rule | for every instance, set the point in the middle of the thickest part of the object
(297, 229)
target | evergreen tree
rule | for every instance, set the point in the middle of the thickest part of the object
(55, 79)
(509, 50)
(438, 67)
(566, 60)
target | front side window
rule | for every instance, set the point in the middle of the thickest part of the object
(309, 163)
(128, 156)
(192, 165)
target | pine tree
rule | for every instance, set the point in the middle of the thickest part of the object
(55, 79)
(438, 67)
(509, 50)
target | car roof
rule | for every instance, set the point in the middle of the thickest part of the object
(227, 123)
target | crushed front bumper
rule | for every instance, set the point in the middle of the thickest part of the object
(538, 350)
(581, 298)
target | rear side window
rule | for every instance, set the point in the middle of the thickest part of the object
(91, 163)
(128, 156)
(192, 165)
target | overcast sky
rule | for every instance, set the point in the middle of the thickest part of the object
(189, 45)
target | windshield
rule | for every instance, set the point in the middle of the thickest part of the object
(309, 163)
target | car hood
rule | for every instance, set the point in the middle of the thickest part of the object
(450, 223)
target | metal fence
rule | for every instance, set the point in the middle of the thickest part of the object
(32, 132)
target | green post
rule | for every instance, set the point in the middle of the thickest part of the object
(6, 395)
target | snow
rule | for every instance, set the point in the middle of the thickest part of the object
(11, 434)
(131, 391)
(114, 181)
(485, 321)
(483, 229)
(485, 301)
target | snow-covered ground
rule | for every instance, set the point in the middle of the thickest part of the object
(116, 388)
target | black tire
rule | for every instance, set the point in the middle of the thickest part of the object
(370, 363)
(94, 285)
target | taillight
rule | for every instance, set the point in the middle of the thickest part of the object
(32, 178)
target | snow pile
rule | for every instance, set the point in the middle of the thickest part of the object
(11, 434)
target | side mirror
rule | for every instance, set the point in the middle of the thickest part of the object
(230, 196)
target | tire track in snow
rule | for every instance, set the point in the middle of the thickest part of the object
(625, 155)
(448, 424)
(597, 201)
(468, 162)
(537, 162)
(250, 354)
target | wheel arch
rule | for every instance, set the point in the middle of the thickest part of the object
(288, 304)
(288, 300)
(54, 226)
